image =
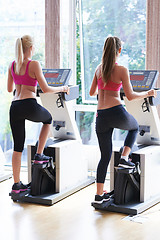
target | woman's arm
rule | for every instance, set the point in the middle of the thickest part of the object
(128, 90)
(10, 83)
(94, 90)
(42, 81)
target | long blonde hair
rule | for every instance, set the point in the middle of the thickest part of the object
(22, 44)
(110, 52)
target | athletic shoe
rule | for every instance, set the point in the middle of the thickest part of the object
(19, 187)
(100, 199)
(41, 158)
(126, 164)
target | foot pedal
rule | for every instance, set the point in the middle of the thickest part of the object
(41, 166)
(124, 170)
(19, 196)
(102, 206)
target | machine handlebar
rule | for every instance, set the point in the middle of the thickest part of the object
(154, 101)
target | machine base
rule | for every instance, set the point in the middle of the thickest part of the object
(131, 208)
(50, 199)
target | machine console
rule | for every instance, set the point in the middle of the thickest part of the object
(144, 110)
(57, 77)
(143, 80)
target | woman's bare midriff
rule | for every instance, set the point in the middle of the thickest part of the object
(23, 92)
(108, 99)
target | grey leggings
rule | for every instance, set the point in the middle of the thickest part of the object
(106, 121)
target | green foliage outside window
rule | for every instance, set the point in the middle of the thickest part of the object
(84, 119)
(101, 18)
(125, 19)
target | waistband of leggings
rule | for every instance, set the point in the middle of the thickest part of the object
(110, 109)
(24, 100)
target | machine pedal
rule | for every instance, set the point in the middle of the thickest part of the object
(125, 170)
(104, 205)
(41, 166)
(19, 196)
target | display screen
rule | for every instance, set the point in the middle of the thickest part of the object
(51, 75)
(137, 77)
(142, 80)
(57, 77)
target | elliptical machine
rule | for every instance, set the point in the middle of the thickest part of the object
(126, 189)
(67, 170)
(134, 191)
(42, 180)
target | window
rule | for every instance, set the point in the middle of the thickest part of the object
(97, 19)
(17, 19)
(101, 18)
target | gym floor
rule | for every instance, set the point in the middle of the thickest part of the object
(72, 218)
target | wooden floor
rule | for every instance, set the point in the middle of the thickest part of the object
(72, 219)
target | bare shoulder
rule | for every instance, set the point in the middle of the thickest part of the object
(34, 63)
(123, 71)
(98, 70)
(122, 68)
(35, 66)
(10, 66)
(99, 66)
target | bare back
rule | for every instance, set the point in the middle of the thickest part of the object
(24, 91)
(108, 98)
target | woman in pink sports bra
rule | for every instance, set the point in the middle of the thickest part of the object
(23, 75)
(109, 77)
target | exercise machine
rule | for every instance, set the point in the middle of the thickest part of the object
(67, 170)
(135, 190)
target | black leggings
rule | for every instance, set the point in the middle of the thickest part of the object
(106, 121)
(21, 110)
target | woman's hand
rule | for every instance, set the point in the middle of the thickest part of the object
(65, 89)
(152, 92)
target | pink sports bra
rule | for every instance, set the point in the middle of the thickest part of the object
(23, 79)
(112, 86)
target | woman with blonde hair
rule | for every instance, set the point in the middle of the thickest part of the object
(23, 75)
(109, 77)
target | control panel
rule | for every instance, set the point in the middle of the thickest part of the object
(143, 80)
(57, 77)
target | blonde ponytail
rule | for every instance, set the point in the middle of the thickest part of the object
(18, 55)
(22, 45)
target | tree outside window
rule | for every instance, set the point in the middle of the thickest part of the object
(96, 20)
(125, 19)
